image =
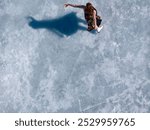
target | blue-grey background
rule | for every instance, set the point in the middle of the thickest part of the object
(50, 63)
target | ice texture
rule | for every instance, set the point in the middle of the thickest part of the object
(50, 63)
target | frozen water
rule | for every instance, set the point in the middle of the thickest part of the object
(50, 63)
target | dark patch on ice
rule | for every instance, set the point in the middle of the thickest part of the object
(66, 25)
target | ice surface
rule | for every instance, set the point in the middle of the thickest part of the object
(50, 63)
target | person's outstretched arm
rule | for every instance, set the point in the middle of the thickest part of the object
(75, 6)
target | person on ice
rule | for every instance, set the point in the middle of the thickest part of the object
(91, 16)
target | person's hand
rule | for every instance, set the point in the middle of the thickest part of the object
(96, 27)
(66, 5)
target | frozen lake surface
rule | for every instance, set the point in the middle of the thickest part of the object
(50, 63)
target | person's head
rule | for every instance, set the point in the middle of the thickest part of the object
(88, 4)
(89, 8)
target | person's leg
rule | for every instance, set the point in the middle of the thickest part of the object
(99, 21)
(90, 25)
